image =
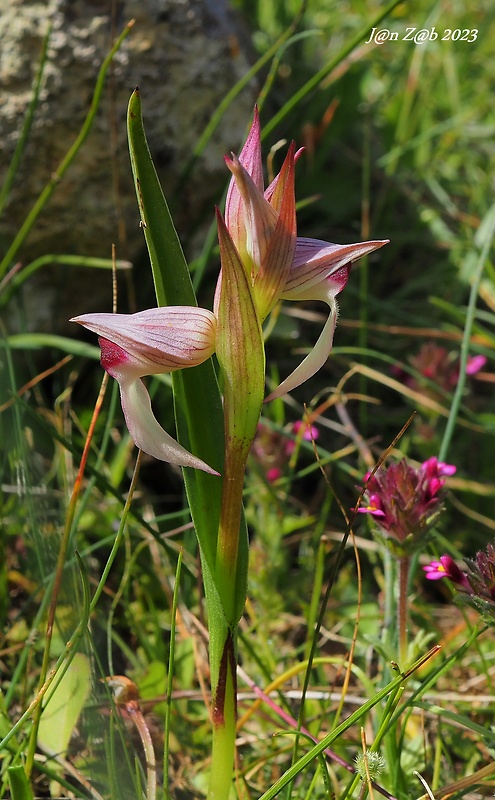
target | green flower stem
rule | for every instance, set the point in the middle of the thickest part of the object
(230, 569)
(484, 239)
(230, 523)
(402, 615)
(241, 356)
(224, 680)
(224, 718)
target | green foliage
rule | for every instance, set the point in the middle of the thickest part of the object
(19, 785)
(59, 719)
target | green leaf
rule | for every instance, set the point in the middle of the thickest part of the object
(64, 706)
(20, 788)
(198, 403)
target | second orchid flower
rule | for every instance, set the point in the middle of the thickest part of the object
(281, 265)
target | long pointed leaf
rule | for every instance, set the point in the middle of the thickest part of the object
(199, 413)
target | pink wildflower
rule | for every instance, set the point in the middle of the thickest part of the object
(406, 501)
(447, 568)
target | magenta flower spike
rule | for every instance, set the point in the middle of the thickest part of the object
(262, 225)
(152, 342)
(406, 501)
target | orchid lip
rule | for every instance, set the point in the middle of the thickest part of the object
(146, 432)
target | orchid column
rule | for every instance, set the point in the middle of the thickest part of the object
(262, 262)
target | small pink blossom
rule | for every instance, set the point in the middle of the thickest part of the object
(474, 364)
(447, 568)
(310, 434)
(437, 369)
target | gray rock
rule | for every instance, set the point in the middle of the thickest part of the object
(184, 55)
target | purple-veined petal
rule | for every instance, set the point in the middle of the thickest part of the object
(319, 272)
(151, 342)
(159, 339)
(250, 158)
(260, 219)
(315, 260)
(272, 277)
(147, 433)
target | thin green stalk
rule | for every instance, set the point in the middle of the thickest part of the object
(314, 641)
(486, 234)
(224, 718)
(50, 187)
(392, 701)
(402, 607)
(26, 127)
(230, 97)
(354, 718)
(364, 272)
(10, 286)
(71, 646)
(434, 676)
(229, 530)
(319, 572)
(389, 573)
(170, 679)
(57, 580)
(61, 666)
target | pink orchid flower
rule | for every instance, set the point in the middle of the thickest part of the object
(262, 225)
(152, 342)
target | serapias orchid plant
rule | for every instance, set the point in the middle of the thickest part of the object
(262, 262)
(259, 233)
